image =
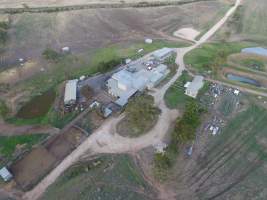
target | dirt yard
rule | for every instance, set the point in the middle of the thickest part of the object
(187, 33)
(36, 164)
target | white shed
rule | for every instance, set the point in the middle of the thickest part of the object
(5, 174)
(193, 88)
(70, 96)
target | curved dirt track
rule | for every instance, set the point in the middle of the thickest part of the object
(105, 140)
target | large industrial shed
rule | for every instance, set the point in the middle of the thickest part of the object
(70, 96)
(125, 83)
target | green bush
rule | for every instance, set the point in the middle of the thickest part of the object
(51, 55)
(162, 161)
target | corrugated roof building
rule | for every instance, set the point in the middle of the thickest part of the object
(195, 86)
(5, 174)
(70, 96)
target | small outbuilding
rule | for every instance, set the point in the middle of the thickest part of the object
(148, 41)
(194, 87)
(5, 174)
(70, 96)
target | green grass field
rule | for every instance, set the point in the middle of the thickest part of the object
(235, 161)
(108, 177)
(202, 59)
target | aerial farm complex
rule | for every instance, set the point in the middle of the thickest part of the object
(133, 100)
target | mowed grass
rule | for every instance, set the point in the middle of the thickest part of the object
(175, 96)
(237, 158)
(108, 177)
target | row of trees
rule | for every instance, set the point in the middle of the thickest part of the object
(185, 127)
(184, 131)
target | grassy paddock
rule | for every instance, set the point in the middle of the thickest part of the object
(8, 145)
(107, 177)
(241, 149)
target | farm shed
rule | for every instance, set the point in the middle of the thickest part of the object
(5, 174)
(195, 86)
(70, 96)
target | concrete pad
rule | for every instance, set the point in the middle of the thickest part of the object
(186, 33)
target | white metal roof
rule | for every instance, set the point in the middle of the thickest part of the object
(70, 91)
(5, 174)
(195, 85)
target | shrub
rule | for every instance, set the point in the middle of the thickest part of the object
(51, 55)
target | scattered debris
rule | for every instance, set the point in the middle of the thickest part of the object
(236, 92)
(21, 60)
(160, 147)
(95, 104)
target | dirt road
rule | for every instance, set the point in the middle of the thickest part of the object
(106, 140)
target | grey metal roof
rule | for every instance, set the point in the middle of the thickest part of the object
(256, 50)
(196, 84)
(123, 100)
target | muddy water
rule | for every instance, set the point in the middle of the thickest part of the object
(242, 79)
(38, 106)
